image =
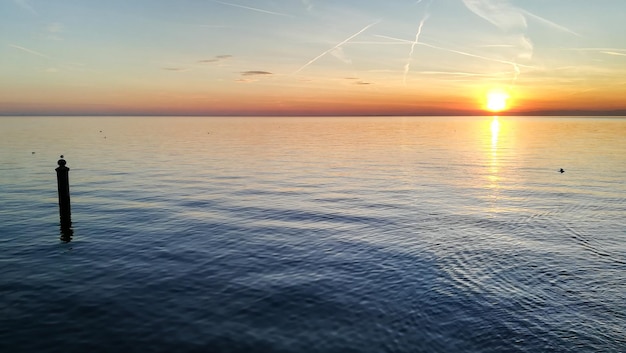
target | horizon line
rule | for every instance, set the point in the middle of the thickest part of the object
(536, 113)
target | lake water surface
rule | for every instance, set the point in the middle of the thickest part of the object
(376, 234)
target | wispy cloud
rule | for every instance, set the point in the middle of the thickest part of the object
(215, 59)
(176, 69)
(474, 55)
(54, 30)
(256, 73)
(613, 53)
(454, 51)
(606, 51)
(251, 8)
(307, 4)
(512, 20)
(252, 76)
(25, 4)
(55, 27)
(461, 76)
(595, 49)
(357, 81)
(336, 46)
(502, 14)
(549, 23)
(30, 51)
(499, 12)
(341, 55)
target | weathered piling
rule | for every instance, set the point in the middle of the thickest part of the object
(63, 182)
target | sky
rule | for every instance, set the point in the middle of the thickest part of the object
(311, 57)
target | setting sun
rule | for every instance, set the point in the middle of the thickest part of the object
(497, 101)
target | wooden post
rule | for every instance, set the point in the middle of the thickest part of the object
(63, 182)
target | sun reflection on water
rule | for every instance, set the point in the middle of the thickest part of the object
(495, 130)
(493, 175)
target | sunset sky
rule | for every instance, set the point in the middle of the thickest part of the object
(310, 57)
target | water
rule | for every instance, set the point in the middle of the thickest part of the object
(314, 235)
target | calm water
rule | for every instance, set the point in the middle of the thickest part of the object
(314, 235)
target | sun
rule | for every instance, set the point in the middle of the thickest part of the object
(497, 101)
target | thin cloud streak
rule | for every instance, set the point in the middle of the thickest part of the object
(475, 56)
(252, 76)
(613, 53)
(407, 67)
(499, 13)
(509, 18)
(464, 74)
(595, 49)
(176, 69)
(335, 47)
(30, 51)
(376, 42)
(252, 8)
(217, 58)
(505, 16)
(341, 55)
(26, 6)
(455, 51)
(255, 73)
(549, 23)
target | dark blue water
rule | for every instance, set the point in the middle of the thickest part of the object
(314, 235)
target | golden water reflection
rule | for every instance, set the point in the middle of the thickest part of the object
(495, 130)
(493, 177)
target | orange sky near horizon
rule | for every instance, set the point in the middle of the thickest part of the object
(310, 57)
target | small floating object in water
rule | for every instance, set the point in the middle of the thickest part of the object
(32, 152)
(561, 171)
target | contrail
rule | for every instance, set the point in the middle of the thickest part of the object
(336, 46)
(509, 18)
(516, 66)
(407, 67)
(549, 23)
(29, 51)
(594, 49)
(251, 8)
(515, 75)
(455, 51)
